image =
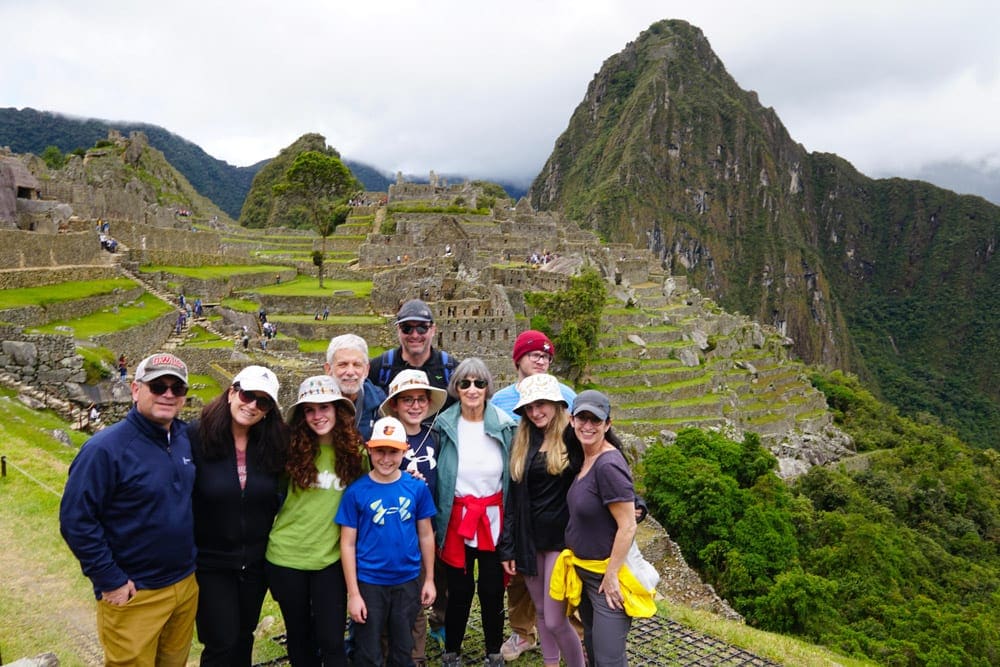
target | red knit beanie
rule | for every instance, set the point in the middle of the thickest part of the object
(532, 341)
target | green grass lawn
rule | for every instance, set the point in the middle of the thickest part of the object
(210, 272)
(68, 291)
(309, 286)
(146, 308)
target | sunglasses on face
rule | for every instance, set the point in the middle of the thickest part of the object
(264, 403)
(421, 329)
(466, 383)
(159, 388)
(587, 418)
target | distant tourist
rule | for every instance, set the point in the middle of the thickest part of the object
(122, 367)
(126, 515)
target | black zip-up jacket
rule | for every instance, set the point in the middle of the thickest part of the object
(536, 514)
(231, 525)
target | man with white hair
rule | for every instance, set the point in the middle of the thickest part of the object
(347, 363)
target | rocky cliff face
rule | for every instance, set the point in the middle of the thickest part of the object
(667, 151)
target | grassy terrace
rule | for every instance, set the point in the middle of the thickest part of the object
(309, 286)
(145, 309)
(68, 291)
(647, 366)
(707, 399)
(211, 272)
(364, 320)
(664, 388)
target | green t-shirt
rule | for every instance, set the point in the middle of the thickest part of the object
(304, 535)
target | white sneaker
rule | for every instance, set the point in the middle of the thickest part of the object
(515, 646)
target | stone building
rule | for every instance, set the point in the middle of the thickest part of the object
(17, 185)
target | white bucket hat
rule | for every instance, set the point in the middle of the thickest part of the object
(318, 389)
(538, 387)
(409, 379)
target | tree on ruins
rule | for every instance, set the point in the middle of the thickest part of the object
(319, 185)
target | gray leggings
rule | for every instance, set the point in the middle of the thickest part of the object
(605, 630)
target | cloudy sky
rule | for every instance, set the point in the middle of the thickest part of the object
(486, 88)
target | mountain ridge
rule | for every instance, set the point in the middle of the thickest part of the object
(666, 151)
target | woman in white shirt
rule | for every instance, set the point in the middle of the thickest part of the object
(473, 476)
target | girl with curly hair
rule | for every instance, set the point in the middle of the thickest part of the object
(303, 554)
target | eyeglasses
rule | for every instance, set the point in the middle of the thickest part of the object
(540, 356)
(466, 383)
(264, 403)
(410, 400)
(159, 388)
(587, 418)
(421, 329)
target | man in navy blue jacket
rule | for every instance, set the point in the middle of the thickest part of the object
(126, 516)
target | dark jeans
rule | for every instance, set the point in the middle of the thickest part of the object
(314, 606)
(391, 609)
(462, 586)
(605, 630)
(228, 610)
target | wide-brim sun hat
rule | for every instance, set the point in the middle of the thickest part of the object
(318, 389)
(409, 379)
(538, 387)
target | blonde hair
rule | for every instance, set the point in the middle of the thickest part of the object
(556, 456)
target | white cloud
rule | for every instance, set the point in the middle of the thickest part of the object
(486, 89)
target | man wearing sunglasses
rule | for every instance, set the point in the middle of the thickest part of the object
(416, 330)
(126, 516)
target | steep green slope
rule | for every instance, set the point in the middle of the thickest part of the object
(666, 151)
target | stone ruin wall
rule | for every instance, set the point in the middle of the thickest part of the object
(23, 249)
(46, 361)
(433, 194)
(39, 277)
(139, 341)
(88, 201)
(382, 250)
(531, 280)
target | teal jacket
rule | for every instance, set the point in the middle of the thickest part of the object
(498, 425)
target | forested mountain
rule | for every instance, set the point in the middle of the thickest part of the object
(893, 279)
(31, 131)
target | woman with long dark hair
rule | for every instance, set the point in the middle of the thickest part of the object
(600, 531)
(238, 446)
(303, 555)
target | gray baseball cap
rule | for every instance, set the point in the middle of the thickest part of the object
(594, 402)
(414, 310)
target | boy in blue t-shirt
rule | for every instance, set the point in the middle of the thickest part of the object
(386, 542)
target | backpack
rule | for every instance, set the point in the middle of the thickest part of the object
(388, 362)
